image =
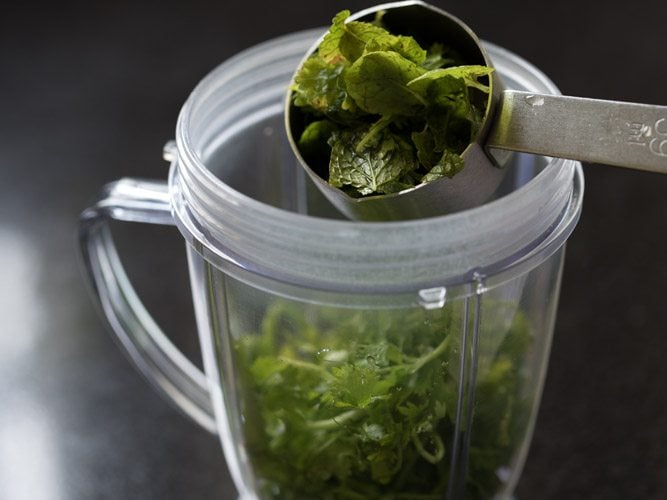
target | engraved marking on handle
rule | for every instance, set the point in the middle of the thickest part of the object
(614, 133)
(655, 137)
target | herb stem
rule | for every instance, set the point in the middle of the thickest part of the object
(427, 358)
(335, 422)
(372, 132)
(305, 365)
(439, 452)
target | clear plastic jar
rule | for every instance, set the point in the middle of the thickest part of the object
(344, 360)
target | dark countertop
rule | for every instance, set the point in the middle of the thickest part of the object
(89, 94)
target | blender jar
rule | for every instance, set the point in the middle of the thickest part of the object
(343, 360)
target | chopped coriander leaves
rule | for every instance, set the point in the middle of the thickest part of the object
(340, 404)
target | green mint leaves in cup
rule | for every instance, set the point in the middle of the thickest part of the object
(382, 113)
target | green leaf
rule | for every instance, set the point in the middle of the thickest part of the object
(265, 367)
(319, 87)
(365, 38)
(439, 56)
(440, 143)
(329, 49)
(378, 83)
(355, 386)
(315, 133)
(352, 39)
(409, 48)
(384, 464)
(358, 35)
(469, 74)
(313, 143)
(380, 167)
(451, 125)
(449, 165)
(452, 118)
(425, 144)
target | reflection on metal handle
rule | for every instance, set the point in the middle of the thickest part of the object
(150, 350)
(592, 130)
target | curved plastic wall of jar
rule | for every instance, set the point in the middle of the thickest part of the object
(362, 358)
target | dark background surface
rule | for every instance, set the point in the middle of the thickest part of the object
(90, 93)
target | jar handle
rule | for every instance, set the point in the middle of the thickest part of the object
(170, 372)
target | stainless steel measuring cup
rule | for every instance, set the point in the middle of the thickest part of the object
(610, 132)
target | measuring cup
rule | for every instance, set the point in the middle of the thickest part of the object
(342, 359)
(610, 132)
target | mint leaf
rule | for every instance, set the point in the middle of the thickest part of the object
(381, 166)
(449, 165)
(383, 114)
(469, 74)
(358, 35)
(319, 88)
(351, 40)
(426, 147)
(329, 49)
(319, 85)
(454, 129)
(435, 148)
(365, 37)
(439, 56)
(313, 143)
(378, 83)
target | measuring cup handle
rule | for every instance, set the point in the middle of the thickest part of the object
(615, 133)
(154, 355)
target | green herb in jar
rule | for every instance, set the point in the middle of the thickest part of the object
(345, 405)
